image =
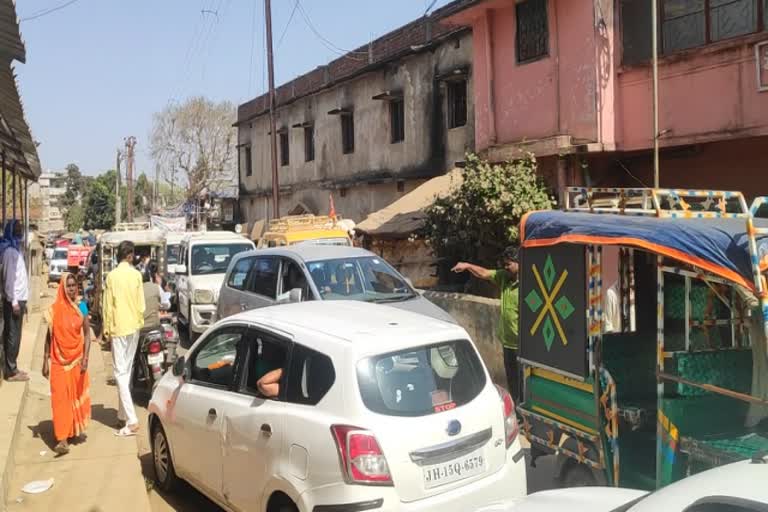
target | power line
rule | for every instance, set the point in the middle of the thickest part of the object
(426, 11)
(45, 12)
(290, 19)
(328, 44)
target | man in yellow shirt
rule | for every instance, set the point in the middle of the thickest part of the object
(123, 314)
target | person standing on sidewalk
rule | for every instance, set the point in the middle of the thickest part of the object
(65, 362)
(123, 317)
(506, 279)
(16, 288)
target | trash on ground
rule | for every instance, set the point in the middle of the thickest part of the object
(38, 486)
(42, 453)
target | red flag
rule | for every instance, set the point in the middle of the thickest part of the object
(332, 212)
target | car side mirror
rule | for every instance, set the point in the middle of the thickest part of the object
(294, 295)
(181, 270)
(179, 367)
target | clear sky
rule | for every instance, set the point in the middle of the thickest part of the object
(97, 70)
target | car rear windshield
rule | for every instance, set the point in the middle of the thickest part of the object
(421, 381)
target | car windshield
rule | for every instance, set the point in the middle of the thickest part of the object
(422, 380)
(60, 254)
(369, 279)
(172, 254)
(214, 258)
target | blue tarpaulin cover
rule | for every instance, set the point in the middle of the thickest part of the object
(719, 246)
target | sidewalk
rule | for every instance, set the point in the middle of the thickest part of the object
(102, 474)
(13, 395)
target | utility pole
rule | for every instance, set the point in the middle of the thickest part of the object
(272, 128)
(655, 49)
(130, 144)
(118, 201)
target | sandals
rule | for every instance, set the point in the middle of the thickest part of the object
(127, 431)
(62, 448)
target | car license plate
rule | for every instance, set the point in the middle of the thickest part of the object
(454, 470)
(155, 358)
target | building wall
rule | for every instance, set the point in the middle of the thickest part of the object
(705, 94)
(365, 180)
(554, 95)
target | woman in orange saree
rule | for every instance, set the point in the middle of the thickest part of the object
(66, 364)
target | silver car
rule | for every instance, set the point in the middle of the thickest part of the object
(264, 277)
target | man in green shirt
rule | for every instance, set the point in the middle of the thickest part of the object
(506, 279)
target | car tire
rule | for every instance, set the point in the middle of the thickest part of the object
(288, 507)
(162, 462)
(578, 475)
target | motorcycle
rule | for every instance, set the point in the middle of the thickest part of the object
(155, 354)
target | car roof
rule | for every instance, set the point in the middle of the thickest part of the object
(370, 327)
(738, 480)
(215, 236)
(309, 252)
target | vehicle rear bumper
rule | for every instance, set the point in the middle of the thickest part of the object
(203, 316)
(504, 485)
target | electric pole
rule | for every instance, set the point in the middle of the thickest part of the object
(118, 202)
(130, 144)
(272, 128)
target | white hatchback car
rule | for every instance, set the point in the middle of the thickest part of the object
(378, 409)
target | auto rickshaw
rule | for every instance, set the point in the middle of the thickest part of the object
(643, 334)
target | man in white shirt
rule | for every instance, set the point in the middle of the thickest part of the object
(612, 311)
(16, 291)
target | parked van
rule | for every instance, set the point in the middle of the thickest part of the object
(203, 261)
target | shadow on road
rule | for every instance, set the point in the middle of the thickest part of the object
(44, 431)
(184, 498)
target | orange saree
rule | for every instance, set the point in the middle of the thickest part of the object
(70, 388)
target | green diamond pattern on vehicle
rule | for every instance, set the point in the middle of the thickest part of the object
(534, 301)
(564, 307)
(548, 331)
(549, 272)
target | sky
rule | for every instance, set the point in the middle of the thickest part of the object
(97, 70)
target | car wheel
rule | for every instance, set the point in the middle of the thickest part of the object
(578, 475)
(288, 507)
(165, 474)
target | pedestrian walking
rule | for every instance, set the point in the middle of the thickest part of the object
(16, 288)
(506, 279)
(65, 364)
(123, 317)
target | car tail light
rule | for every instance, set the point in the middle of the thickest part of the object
(362, 460)
(155, 347)
(511, 428)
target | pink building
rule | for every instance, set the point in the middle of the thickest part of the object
(571, 81)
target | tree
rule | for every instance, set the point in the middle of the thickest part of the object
(481, 217)
(142, 195)
(75, 217)
(99, 202)
(196, 139)
(75, 182)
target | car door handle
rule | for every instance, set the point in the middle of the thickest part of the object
(212, 413)
(266, 430)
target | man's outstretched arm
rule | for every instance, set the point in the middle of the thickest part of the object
(476, 270)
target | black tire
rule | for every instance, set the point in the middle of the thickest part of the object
(162, 462)
(288, 507)
(578, 475)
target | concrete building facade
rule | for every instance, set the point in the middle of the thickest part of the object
(51, 187)
(571, 80)
(366, 128)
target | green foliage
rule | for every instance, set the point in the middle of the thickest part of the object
(482, 216)
(75, 217)
(75, 186)
(142, 195)
(99, 202)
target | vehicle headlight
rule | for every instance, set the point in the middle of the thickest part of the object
(204, 297)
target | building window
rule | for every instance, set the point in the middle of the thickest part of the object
(248, 161)
(309, 143)
(284, 149)
(397, 120)
(457, 103)
(532, 30)
(347, 133)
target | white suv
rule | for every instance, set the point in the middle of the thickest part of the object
(377, 409)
